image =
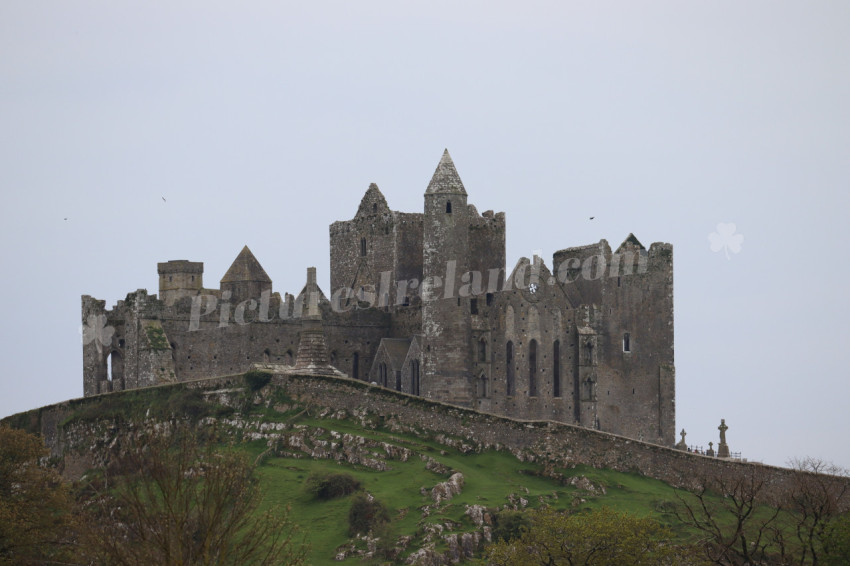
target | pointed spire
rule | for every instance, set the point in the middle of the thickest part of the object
(246, 268)
(446, 179)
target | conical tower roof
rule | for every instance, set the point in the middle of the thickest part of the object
(246, 268)
(445, 179)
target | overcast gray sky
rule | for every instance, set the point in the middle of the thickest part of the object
(260, 123)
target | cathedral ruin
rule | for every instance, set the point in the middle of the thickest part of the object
(421, 303)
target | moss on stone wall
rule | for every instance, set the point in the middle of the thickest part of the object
(156, 337)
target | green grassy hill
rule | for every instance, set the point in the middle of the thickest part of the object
(294, 434)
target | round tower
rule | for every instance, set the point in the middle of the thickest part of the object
(446, 324)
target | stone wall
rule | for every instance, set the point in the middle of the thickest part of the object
(77, 445)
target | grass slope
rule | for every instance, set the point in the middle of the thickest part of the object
(494, 479)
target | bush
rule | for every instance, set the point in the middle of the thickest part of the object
(598, 537)
(510, 525)
(257, 379)
(366, 514)
(332, 485)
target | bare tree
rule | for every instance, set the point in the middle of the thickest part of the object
(819, 496)
(169, 499)
(729, 510)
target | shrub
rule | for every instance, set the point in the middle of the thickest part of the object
(510, 525)
(366, 514)
(257, 379)
(332, 485)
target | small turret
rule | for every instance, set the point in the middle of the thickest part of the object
(179, 278)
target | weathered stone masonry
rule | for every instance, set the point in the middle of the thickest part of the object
(79, 445)
(423, 303)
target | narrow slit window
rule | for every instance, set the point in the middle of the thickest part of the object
(448, 207)
(362, 246)
(532, 369)
(556, 369)
(627, 342)
(509, 369)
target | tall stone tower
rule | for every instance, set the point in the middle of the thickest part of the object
(446, 325)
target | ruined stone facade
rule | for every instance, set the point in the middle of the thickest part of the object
(421, 303)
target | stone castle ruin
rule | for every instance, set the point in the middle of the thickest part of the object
(421, 303)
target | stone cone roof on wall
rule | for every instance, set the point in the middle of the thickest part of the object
(446, 179)
(246, 268)
(312, 355)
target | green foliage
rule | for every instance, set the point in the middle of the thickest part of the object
(366, 514)
(156, 337)
(836, 542)
(257, 379)
(603, 537)
(510, 525)
(331, 485)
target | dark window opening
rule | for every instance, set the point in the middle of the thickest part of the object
(355, 369)
(375, 207)
(489, 299)
(627, 345)
(482, 350)
(398, 381)
(448, 207)
(509, 368)
(414, 377)
(532, 369)
(362, 246)
(473, 306)
(618, 281)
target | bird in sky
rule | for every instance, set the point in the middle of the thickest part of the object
(592, 217)
(163, 199)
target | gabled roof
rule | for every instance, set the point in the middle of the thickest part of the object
(445, 179)
(396, 349)
(373, 202)
(631, 239)
(245, 268)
